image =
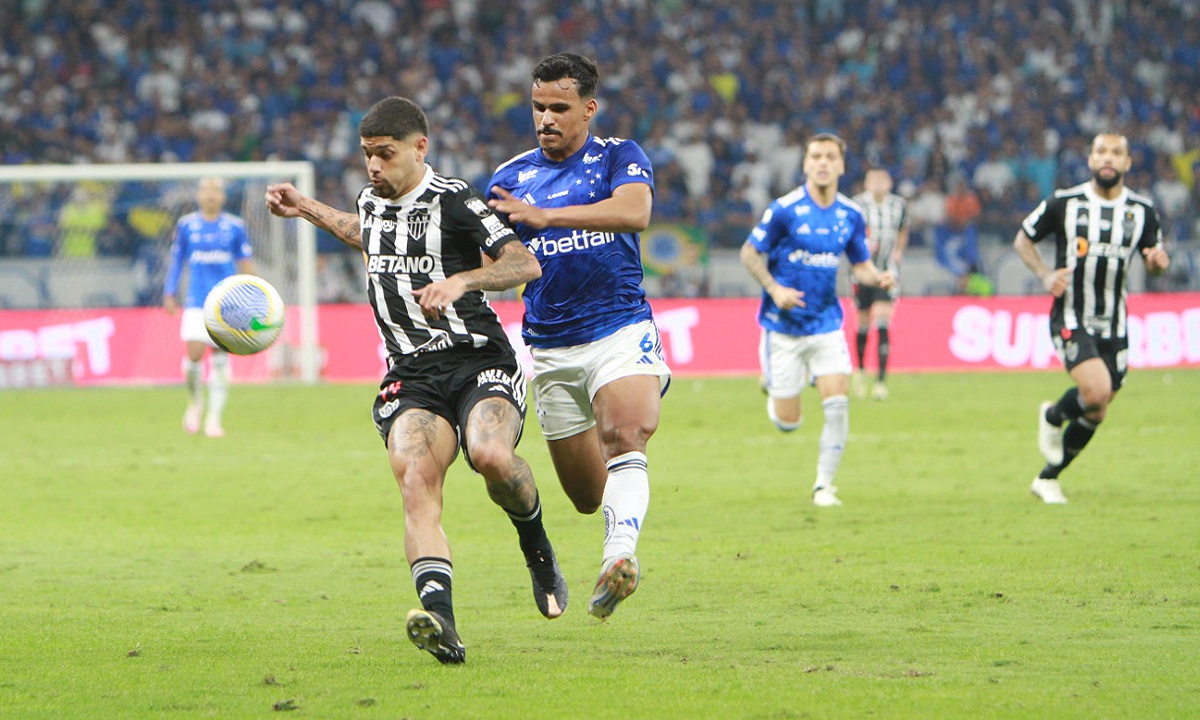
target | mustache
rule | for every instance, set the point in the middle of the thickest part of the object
(548, 131)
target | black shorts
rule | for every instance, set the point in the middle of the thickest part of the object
(449, 383)
(1075, 346)
(867, 295)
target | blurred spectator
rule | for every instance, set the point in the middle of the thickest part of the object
(957, 242)
(81, 221)
(922, 87)
(927, 212)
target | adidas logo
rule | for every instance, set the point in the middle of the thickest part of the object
(430, 587)
(646, 360)
(631, 522)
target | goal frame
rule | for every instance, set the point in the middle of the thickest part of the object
(301, 171)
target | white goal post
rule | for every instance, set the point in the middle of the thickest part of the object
(286, 252)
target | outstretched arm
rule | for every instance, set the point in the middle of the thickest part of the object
(514, 265)
(628, 210)
(284, 200)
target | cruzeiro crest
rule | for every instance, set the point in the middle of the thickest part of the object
(418, 222)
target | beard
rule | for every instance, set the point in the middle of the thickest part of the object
(1108, 183)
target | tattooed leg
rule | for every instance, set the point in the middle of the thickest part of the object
(421, 445)
(492, 431)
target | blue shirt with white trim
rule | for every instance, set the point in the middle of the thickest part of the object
(591, 284)
(804, 243)
(210, 249)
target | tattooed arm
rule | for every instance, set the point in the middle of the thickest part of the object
(513, 266)
(284, 200)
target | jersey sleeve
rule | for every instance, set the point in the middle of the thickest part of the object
(175, 261)
(1042, 222)
(629, 164)
(856, 249)
(1152, 231)
(768, 231)
(470, 216)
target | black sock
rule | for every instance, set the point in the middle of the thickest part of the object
(885, 347)
(861, 339)
(1068, 407)
(1076, 437)
(432, 577)
(530, 531)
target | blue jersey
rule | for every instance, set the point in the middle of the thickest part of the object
(211, 250)
(804, 243)
(591, 283)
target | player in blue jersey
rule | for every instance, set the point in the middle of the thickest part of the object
(578, 202)
(794, 253)
(212, 245)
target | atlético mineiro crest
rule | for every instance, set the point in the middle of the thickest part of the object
(418, 222)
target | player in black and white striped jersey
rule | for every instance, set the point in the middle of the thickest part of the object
(887, 236)
(1097, 227)
(453, 377)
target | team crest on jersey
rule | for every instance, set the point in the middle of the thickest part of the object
(1128, 222)
(1081, 247)
(418, 221)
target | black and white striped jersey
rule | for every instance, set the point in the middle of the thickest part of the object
(436, 230)
(1096, 239)
(885, 220)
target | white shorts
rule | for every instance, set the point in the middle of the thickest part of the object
(192, 328)
(566, 379)
(789, 362)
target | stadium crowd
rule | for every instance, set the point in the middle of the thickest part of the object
(978, 107)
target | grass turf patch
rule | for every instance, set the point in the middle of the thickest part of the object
(145, 573)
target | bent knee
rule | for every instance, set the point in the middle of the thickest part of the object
(627, 438)
(492, 460)
(1095, 402)
(786, 421)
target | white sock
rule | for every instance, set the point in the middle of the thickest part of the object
(218, 387)
(833, 438)
(626, 498)
(193, 372)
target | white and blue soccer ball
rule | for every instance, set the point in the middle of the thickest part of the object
(243, 314)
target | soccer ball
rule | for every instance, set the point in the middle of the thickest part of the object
(243, 314)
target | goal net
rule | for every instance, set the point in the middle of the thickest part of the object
(84, 251)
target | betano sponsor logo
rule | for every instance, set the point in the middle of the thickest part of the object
(401, 264)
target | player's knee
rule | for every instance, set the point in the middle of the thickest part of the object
(492, 460)
(621, 439)
(784, 423)
(1095, 400)
(418, 487)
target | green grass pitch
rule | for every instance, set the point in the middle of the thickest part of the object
(145, 573)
